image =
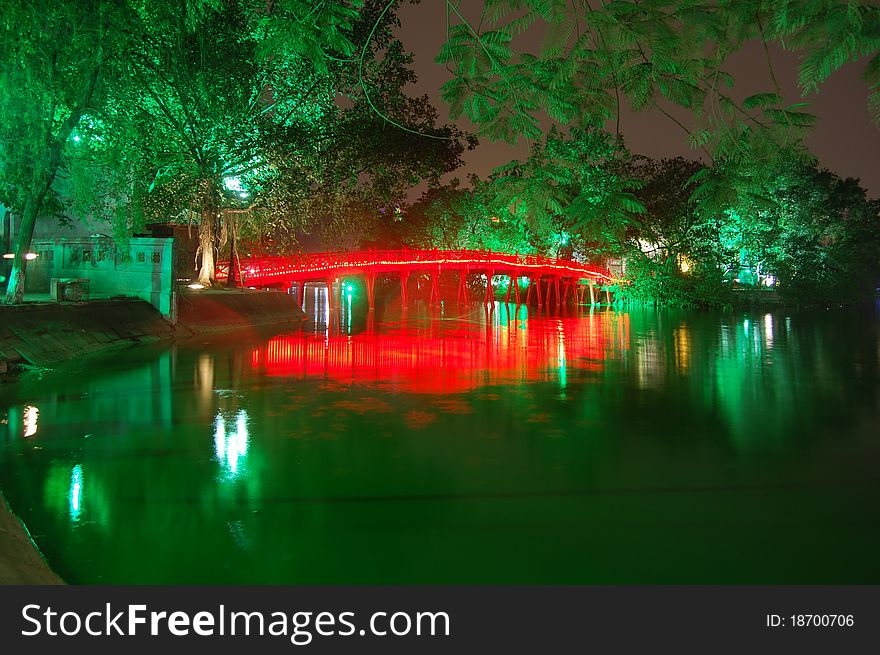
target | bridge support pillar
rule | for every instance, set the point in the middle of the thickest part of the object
(592, 294)
(556, 283)
(509, 287)
(608, 296)
(537, 284)
(331, 296)
(462, 287)
(370, 279)
(565, 288)
(435, 287)
(515, 282)
(404, 278)
(490, 295)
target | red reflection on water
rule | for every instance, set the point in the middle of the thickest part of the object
(450, 356)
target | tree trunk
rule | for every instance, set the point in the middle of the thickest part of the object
(232, 279)
(206, 240)
(47, 169)
(32, 205)
(15, 287)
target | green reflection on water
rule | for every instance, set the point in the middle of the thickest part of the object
(463, 446)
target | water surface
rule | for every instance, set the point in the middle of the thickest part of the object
(463, 446)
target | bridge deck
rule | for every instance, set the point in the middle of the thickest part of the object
(323, 266)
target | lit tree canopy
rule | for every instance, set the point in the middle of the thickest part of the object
(240, 113)
(197, 108)
(58, 60)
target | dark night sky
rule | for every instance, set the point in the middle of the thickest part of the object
(844, 140)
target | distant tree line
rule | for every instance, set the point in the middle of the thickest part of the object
(809, 234)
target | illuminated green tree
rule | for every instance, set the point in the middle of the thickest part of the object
(58, 61)
(576, 183)
(661, 56)
(801, 230)
(248, 119)
(211, 92)
(455, 217)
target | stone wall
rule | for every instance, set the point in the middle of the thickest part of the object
(209, 311)
(142, 270)
(43, 334)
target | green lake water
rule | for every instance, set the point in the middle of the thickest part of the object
(463, 446)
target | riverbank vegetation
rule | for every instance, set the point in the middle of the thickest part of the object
(290, 123)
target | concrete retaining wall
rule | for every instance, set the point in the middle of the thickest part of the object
(212, 311)
(43, 334)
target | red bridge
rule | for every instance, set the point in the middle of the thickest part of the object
(562, 276)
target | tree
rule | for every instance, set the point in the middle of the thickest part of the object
(652, 53)
(664, 56)
(674, 252)
(59, 59)
(455, 217)
(573, 196)
(800, 230)
(572, 187)
(264, 118)
(368, 152)
(207, 104)
(815, 234)
(667, 226)
(655, 55)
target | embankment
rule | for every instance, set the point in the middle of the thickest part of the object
(212, 312)
(45, 334)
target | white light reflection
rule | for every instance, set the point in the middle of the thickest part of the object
(31, 414)
(768, 330)
(231, 447)
(74, 496)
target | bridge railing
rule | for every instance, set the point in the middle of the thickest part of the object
(265, 268)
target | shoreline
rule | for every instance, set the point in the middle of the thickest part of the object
(42, 334)
(21, 561)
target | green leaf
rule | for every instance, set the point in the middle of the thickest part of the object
(793, 118)
(761, 100)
